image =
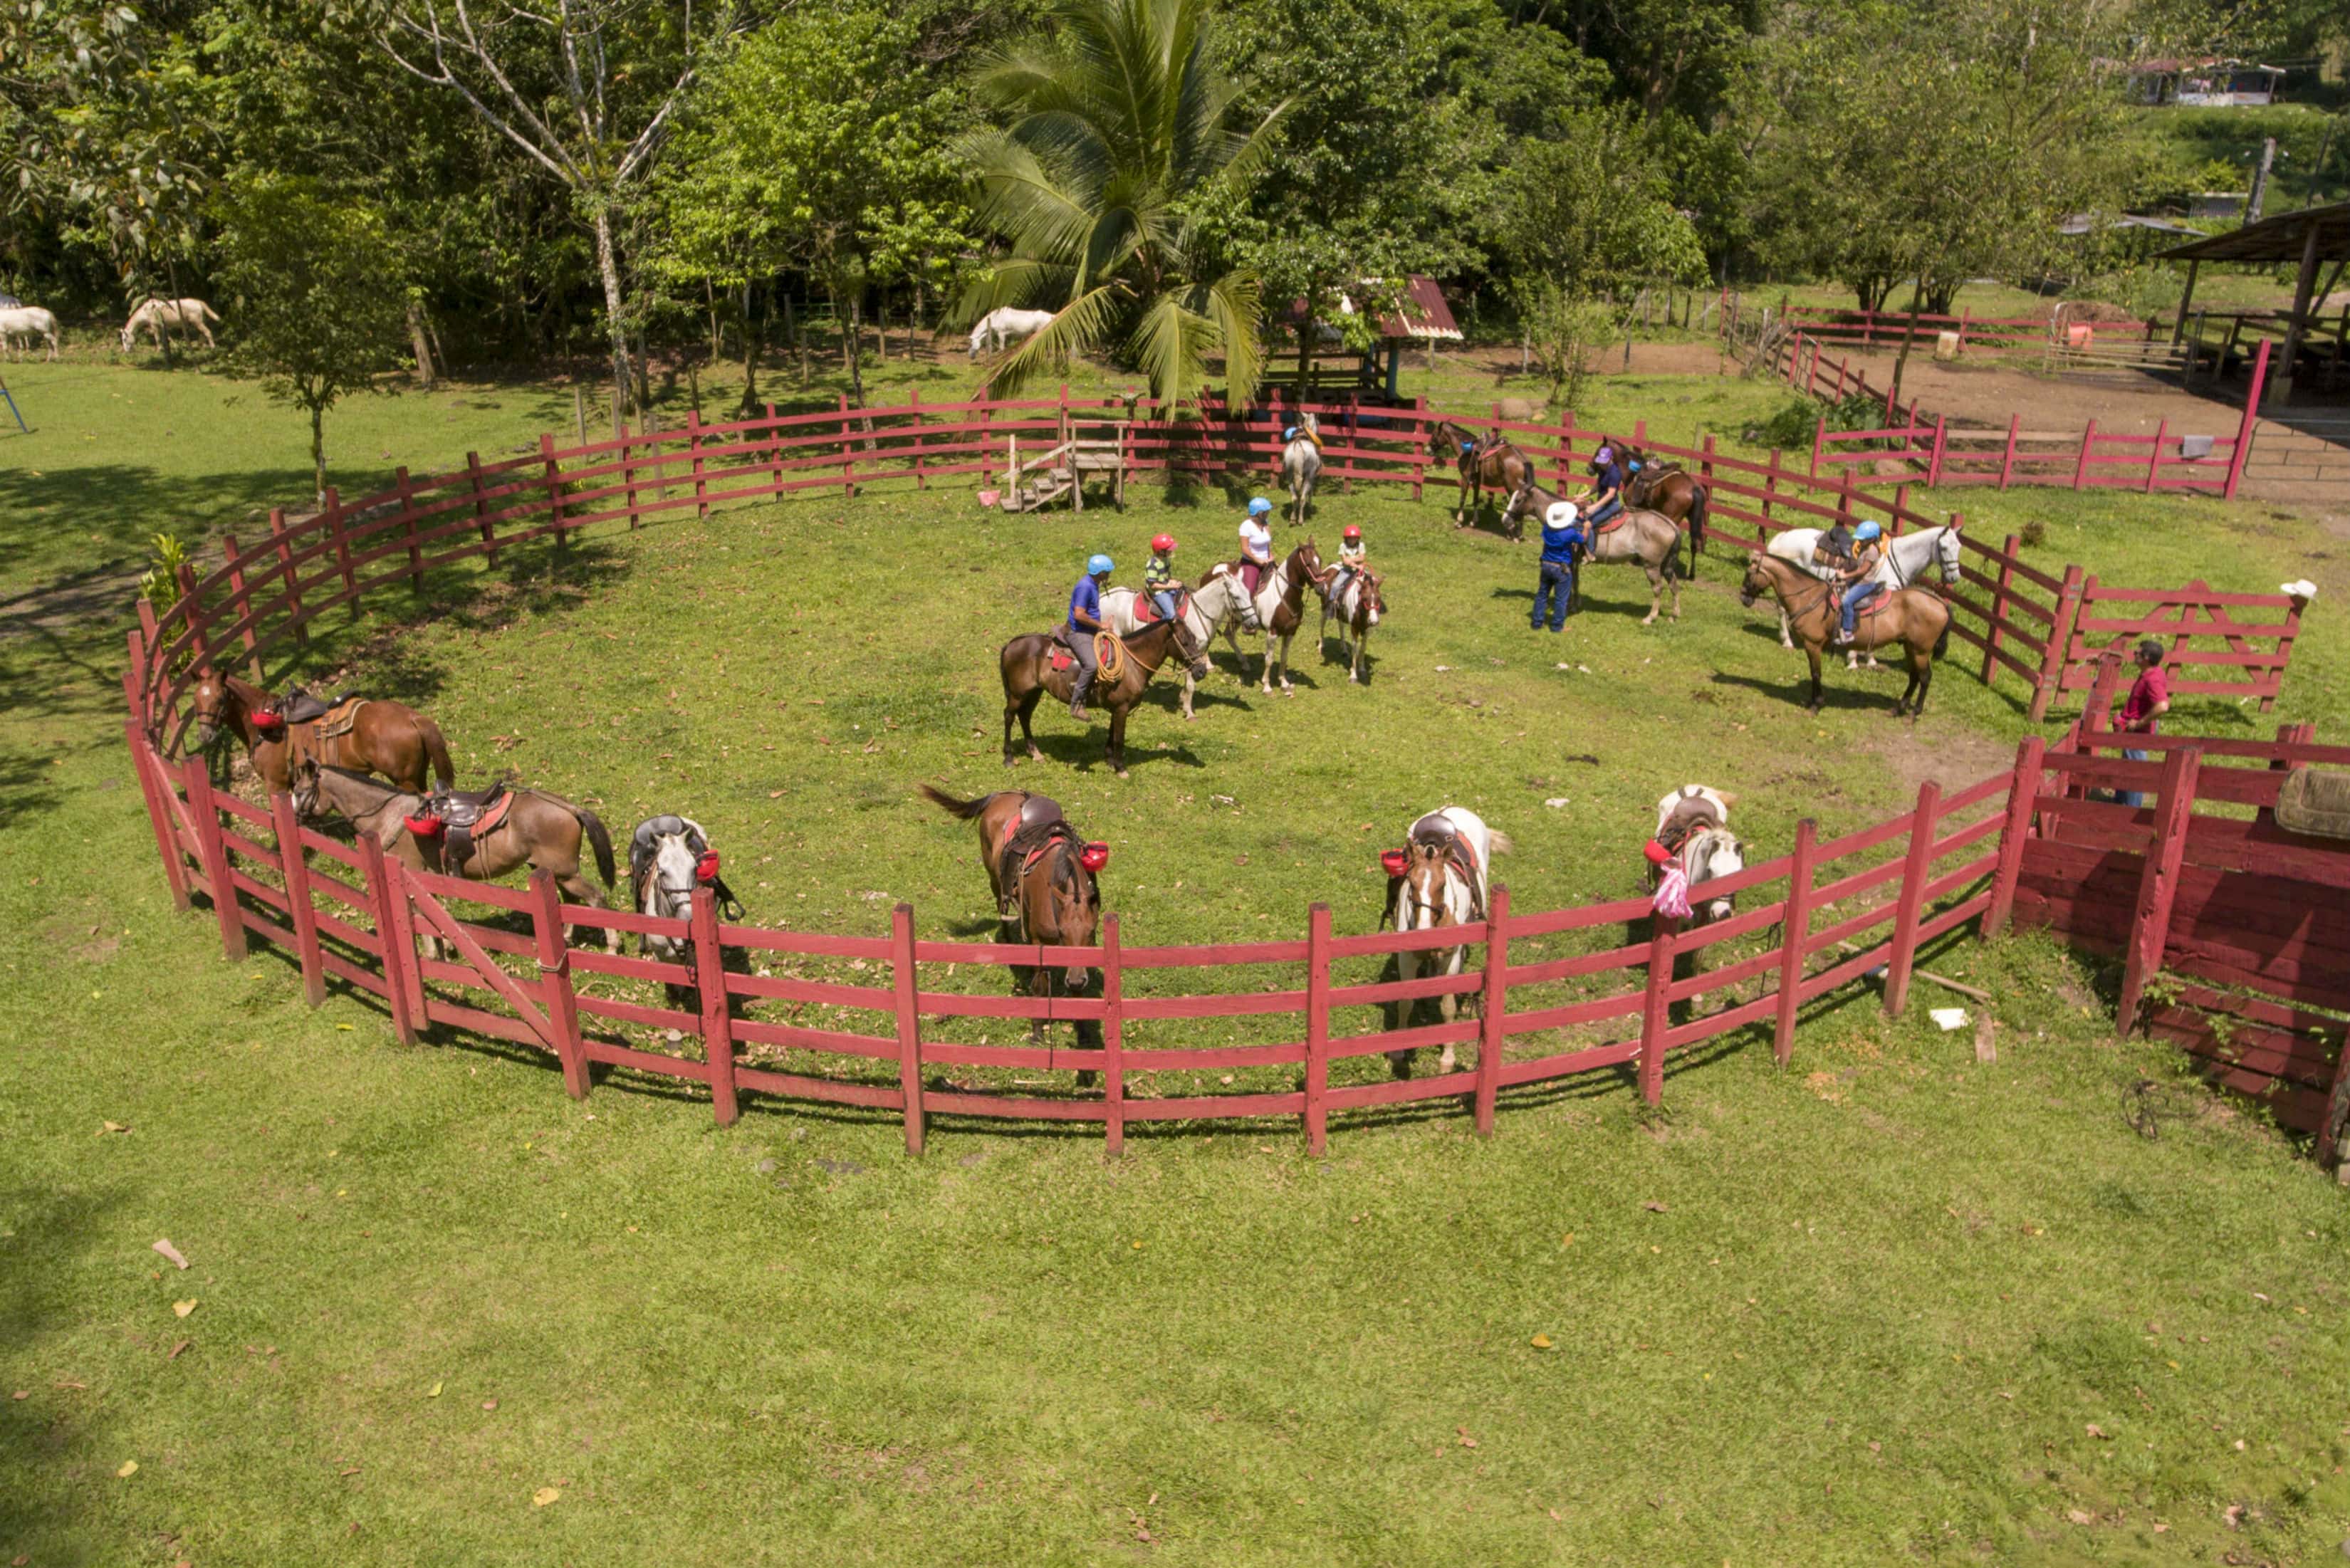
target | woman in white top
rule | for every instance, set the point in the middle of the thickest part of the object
(1257, 557)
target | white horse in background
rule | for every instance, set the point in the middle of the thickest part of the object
(1907, 556)
(179, 315)
(30, 322)
(1710, 851)
(1439, 878)
(1301, 464)
(998, 329)
(1205, 609)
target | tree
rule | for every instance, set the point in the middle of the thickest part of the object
(1566, 333)
(1589, 212)
(319, 311)
(1120, 133)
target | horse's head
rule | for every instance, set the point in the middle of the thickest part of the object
(1757, 581)
(1062, 907)
(302, 781)
(1307, 560)
(1712, 854)
(668, 856)
(978, 338)
(1423, 903)
(126, 333)
(1375, 604)
(1946, 555)
(1194, 650)
(1520, 505)
(211, 699)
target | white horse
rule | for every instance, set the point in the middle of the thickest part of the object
(1352, 598)
(1301, 565)
(1709, 852)
(179, 315)
(1000, 328)
(1906, 559)
(30, 322)
(1301, 465)
(1441, 877)
(1204, 608)
(668, 856)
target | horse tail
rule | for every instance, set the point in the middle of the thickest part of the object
(437, 750)
(1501, 843)
(593, 826)
(964, 810)
(1697, 526)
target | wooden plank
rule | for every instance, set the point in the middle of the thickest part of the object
(1796, 927)
(213, 849)
(1917, 865)
(398, 955)
(2013, 835)
(1655, 1019)
(717, 1020)
(2157, 884)
(555, 988)
(1317, 1028)
(1490, 1040)
(1113, 1040)
(910, 1024)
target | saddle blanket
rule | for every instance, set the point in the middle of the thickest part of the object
(1109, 655)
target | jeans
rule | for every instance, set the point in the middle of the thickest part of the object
(1602, 514)
(1557, 586)
(1854, 597)
(1080, 642)
(1165, 599)
(2131, 798)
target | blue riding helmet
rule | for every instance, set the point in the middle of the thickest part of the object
(1866, 531)
(1259, 506)
(1289, 434)
(1100, 566)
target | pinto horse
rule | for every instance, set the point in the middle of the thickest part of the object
(1438, 880)
(1650, 538)
(1914, 618)
(382, 737)
(668, 858)
(1029, 672)
(1042, 876)
(1479, 462)
(1673, 492)
(1353, 599)
(1280, 607)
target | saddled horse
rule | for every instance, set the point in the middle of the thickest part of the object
(668, 858)
(1914, 618)
(1480, 461)
(1907, 558)
(371, 734)
(1128, 611)
(1301, 465)
(1352, 600)
(1042, 875)
(1438, 880)
(1651, 538)
(1694, 827)
(1030, 670)
(1675, 492)
(1280, 607)
(516, 827)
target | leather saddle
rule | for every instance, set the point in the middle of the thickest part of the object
(459, 819)
(332, 715)
(1109, 655)
(1692, 814)
(1026, 836)
(1146, 608)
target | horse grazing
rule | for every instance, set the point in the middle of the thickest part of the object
(1908, 558)
(1128, 611)
(668, 858)
(1914, 618)
(1479, 462)
(1673, 492)
(1042, 876)
(1693, 827)
(999, 329)
(30, 322)
(1354, 602)
(1301, 465)
(371, 734)
(1030, 670)
(1650, 538)
(1439, 878)
(179, 315)
(516, 827)
(1280, 607)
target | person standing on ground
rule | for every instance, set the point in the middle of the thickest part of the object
(2142, 710)
(1560, 538)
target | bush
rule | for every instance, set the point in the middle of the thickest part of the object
(1790, 427)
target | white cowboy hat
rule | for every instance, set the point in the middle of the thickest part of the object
(1562, 514)
(2303, 589)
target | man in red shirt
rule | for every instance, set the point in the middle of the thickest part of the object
(2149, 700)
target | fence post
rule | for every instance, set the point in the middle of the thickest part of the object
(2060, 642)
(1915, 868)
(694, 446)
(241, 605)
(386, 901)
(2244, 427)
(2081, 463)
(2154, 458)
(1934, 463)
(1419, 444)
(554, 483)
(1999, 606)
(775, 448)
(1490, 1033)
(1113, 1039)
(2007, 456)
(1961, 349)
(481, 507)
(847, 465)
(1819, 439)
(215, 850)
(2274, 681)
(1318, 1027)
(332, 517)
(1795, 931)
(286, 573)
(1897, 511)
(2158, 883)
(2013, 833)
(156, 787)
(909, 1023)
(1891, 408)
(1655, 1008)
(717, 1018)
(408, 527)
(914, 401)
(1769, 491)
(294, 863)
(555, 990)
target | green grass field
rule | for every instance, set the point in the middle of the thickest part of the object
(1892, 1300)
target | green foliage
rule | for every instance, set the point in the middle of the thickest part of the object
(1590, 213)
(1567, 332)
(159, 585)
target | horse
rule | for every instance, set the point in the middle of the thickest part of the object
(668, 858)
(1203, 610)
(1028, 670)
(1707, 851)
(1914, 618)
(1650, 538)
(1356, 607)
(1301, 465)
(1439, 878)
(1280, 608)
(27, 321)
(1906, 559)
(1042, 876)
(1673, 492)
(541, 829)
(999, 329)
(179, 314)
(376, 735)
(1477, 465)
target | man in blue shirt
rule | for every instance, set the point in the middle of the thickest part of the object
(1561, 539)
(1085, 620)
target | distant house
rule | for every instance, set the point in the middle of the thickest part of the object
(1425, 318)
(2208, 82)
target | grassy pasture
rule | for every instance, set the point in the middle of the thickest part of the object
(1882, 1300)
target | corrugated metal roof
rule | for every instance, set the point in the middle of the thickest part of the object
(2277, 239)
(1425, 316)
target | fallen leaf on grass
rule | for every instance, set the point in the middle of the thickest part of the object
(1654, 1208)
(105, 1127)
(353, 1471)
(544, 1496)
(130, 1468)
(1540, 1342)
(433, 1393)
(183, 1344)
(2233, 1516)
(2099, 1432)
(168, 1250)
(181, 1309)
(1466, 1441)
(489, 1403)
(2078, 1517)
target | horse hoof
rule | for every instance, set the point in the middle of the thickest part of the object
(1121, 773)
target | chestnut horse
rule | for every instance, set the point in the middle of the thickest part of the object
(1914, 618)
(1043, 879)
(1479, 462)
(384, 737)
(1280, 607)
(1027, 665)
(1676, 493)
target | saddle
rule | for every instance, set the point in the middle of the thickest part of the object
(1146, 608)
(1436, 829)
(1109, 654)
(1026, 836)
(2315, 801)
(458, 819)
(1693, 814)
(333, 716)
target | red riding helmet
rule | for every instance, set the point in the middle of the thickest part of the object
(1164, 545)
(1352, 532)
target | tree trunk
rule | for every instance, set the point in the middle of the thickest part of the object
(856, 342)
(1908, 332)
(751, 336)
(421, 346)
(607, 265)
(710, 304)
(319, 450)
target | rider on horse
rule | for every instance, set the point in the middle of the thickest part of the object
(1257, 557)
(1603, 498)
(1159, 579)
(1085, 621)
(1353, 558)
(1856, 580)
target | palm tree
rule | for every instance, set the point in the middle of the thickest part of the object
(1117, 133)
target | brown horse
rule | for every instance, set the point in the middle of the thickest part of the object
(1914, 618)
(1479, 462)
(383, 736)
(539, 829)
(1042, 876)
(1674, 492)
(1026, 664)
